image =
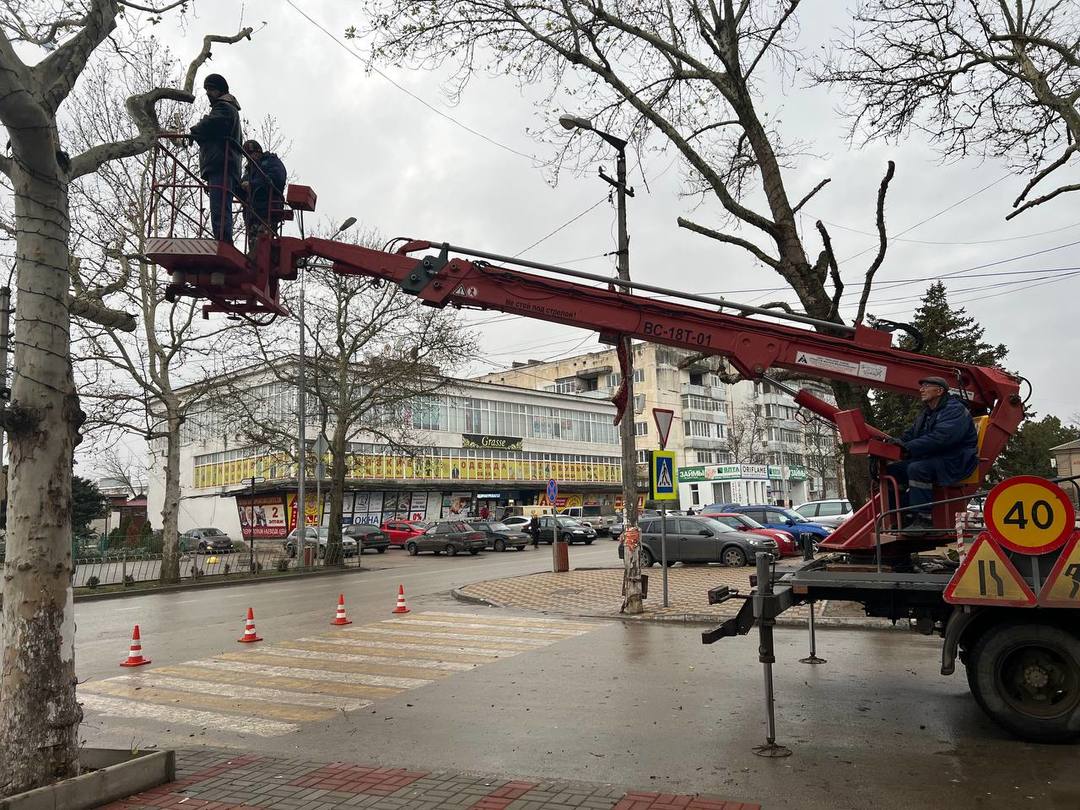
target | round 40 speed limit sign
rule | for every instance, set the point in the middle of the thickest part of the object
(1029, 515)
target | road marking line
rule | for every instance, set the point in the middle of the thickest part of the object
(244, 676)
(237, 724)
(393, 627)
(302, 650)
(286, 668)
(205, 701)
(512, 621)
(394, 676)
(436, 640)
(412, 648)
(153, 679)
(542, 631)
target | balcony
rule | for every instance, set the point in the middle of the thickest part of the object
(716, 392)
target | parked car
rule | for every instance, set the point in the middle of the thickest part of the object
(699, 540)
(367, 537)
(517, 522)
(206, 541)
(321, 536)
(785, 540)
(567, 529)
(401, 531)
(778, 517)
(616, 529)
(499, 536)
(451, 536)
(830, 512)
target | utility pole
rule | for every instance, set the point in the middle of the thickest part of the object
(632, 556)
(301, 456)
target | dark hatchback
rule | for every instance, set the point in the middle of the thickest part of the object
(499, 536)
(367, 537)
(451, 536)
(698, 541)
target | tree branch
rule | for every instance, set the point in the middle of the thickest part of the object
(1044, 198)
(96, 312)
(834, 270)
(57, 73)
(205, 53)
(883, 242)
(731, 240)
(813, 191)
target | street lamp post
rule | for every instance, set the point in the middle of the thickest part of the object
(632, 556)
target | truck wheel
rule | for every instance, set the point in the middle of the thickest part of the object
(1027, 678)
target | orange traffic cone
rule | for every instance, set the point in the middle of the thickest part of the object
(249, 629)
(401, 606)
(135, 656)
(341, 618)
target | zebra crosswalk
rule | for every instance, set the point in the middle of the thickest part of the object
(274, 689)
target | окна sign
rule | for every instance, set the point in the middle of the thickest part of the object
(477, 441)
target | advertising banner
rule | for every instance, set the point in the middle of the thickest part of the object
(262, 516)
(480, 441)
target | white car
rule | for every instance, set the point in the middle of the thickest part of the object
(517, 522)
(829, 513)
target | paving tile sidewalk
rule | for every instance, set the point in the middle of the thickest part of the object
(209, 779)
(597, 592)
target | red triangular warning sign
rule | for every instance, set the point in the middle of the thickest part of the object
(987, 577)
(663, 418)
(1062, 588)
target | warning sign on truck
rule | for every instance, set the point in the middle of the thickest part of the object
(987, 577)
(1062, 588)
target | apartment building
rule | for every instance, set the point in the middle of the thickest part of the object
(743, 442)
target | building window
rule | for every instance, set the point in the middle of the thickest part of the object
(643, 456)
(695, 498)
(639, 375)
(639, 403)
(641, 428)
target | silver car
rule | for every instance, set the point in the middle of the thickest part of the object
(321, 536)
(829, 513)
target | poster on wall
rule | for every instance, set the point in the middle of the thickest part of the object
(456, 504)
(262, 515)
(418, 506)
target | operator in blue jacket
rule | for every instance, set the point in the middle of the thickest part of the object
(940, 448)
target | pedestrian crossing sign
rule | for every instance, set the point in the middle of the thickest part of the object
(662, 476)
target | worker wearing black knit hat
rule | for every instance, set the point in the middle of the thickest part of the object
(219, 136)
(940, 448)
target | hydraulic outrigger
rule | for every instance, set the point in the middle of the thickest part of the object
(1036, 696)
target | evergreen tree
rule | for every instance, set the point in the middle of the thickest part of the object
(1028, 451)
(87, 504)
(947, 332)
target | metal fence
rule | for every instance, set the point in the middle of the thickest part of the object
(130, 566)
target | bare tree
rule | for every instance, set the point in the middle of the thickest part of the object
(125, 470)
(686, 72)
(822, 452)
(372, 356)
(39, 715)
(985, 77)
(746, 434)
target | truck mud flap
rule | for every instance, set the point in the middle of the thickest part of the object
(738, 625)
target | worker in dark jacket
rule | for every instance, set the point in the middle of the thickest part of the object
(219, 135)
(264, 189)
(940, 448)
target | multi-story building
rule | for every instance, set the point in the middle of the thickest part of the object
(477, 446)
(738, 442)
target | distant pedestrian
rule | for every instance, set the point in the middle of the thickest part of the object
(484, 512)
(218, 135)
(690, 511)
(534, 530)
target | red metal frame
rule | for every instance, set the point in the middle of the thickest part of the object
(865, 356)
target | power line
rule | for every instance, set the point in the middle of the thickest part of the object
(406, 91)
(934, 242)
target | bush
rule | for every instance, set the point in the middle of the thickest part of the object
(129, 580)
(282, 564)
(93, 582)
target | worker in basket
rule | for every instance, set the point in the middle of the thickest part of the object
(218, 135)
(263, 187)
(940, 448)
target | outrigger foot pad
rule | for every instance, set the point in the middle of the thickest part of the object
(772, 750)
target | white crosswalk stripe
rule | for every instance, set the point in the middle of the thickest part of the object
(341, 670)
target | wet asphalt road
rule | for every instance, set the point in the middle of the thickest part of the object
(645, 705)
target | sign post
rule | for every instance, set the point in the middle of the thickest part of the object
(662, 488)
(253, 480)
(552, 494)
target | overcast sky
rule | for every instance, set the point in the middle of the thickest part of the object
(374, 152)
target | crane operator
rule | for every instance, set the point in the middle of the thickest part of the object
(940, 448)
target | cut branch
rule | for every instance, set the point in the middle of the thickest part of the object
(834, 271)
(883, 242)
(205, 53)
(745, 244)
(813, 191)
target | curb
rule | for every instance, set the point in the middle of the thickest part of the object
(832, 622)
(199, 586)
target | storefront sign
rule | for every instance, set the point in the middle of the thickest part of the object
(477, 441)
(721, 472)
(265, 512)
